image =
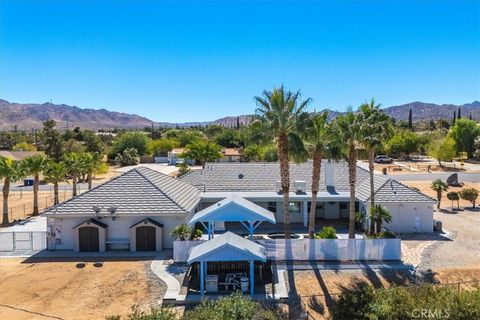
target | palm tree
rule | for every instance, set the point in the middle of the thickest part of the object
(89, 164)
(349, 134)
(278, 110)
(35, 165)
(74, 164)
(10, 171)
(55, 173)
(380, 214)
(376, 129)
(317, 139)
(439, 186)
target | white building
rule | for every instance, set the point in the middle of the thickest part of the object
(138, 209)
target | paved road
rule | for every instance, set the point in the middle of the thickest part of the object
(462, 176)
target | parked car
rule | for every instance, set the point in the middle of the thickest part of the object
(383, 159)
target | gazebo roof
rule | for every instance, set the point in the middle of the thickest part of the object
(233, 208)
(227, 247)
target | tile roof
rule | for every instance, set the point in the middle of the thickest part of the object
(260, 177)
(140, 191)
(237, 177)
(227, 247)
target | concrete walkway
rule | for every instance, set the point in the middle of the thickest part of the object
(319, 265)
(164, 272)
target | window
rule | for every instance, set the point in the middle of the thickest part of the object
(343, 206)
(294, 207)
(272, 207)
(318, 207)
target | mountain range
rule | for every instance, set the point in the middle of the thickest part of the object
(27, 116)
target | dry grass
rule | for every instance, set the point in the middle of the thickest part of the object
(61, 290)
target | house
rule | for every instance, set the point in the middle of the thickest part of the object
(135, 211)
(174, 157)
(138, 209)
(231, 155)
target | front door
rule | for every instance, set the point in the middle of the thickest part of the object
(146, 238)
(88, 239)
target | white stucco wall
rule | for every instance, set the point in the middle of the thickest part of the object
(410, 217)
(117, 229)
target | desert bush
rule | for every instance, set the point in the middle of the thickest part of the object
(153, 314)
(233, 307)
(469, 194)
(364, 302)
(129, 157)
(327, 232)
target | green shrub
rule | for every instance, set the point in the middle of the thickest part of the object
(233, 307)
(181, 232)
(364, 302)
(154, 314)
(196, 234)
(327, 232)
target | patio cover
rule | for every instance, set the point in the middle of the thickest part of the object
(227, 247)
(233, 209)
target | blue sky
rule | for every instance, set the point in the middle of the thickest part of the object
(201, 60)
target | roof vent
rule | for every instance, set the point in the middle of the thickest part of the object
(300, 186)
(240, 176)
(96, 209)
(112, 210)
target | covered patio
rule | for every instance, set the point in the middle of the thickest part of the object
(233, 209)
(224, 248)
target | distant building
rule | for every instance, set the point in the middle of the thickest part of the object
(174, 157)
(231, 155)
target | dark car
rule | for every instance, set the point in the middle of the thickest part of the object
(383, 159)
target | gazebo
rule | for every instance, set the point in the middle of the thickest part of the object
(227, 247)
(233, 209)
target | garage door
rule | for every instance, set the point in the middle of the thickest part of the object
(146, 238)
(88, 239)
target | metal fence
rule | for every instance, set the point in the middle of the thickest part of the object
(25, 208)
(23, 241)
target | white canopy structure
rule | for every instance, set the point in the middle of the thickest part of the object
(233, 209)
(227, 247)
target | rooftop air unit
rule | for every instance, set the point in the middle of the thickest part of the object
(300, 186)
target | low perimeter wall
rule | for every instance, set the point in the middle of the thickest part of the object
(308, 249)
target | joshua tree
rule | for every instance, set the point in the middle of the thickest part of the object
(376, 129)
(35, 165)
(439, 186)
(279, 111)
(350, 135)
(10, 171)
(55, 173)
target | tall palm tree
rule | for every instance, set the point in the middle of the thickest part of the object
(349, 134)
(10, 171)
(317, 139)
(89, 164)
(74, 165)
(439, 186)
(34, 165)
(55, 173)
(278, 110)
(376, 129)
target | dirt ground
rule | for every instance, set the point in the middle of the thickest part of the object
(63, 290)
(425, 187)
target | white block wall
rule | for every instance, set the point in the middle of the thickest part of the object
(117, 229)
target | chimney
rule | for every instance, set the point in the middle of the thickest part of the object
(329, 172)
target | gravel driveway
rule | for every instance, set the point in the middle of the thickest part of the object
(463, 250)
